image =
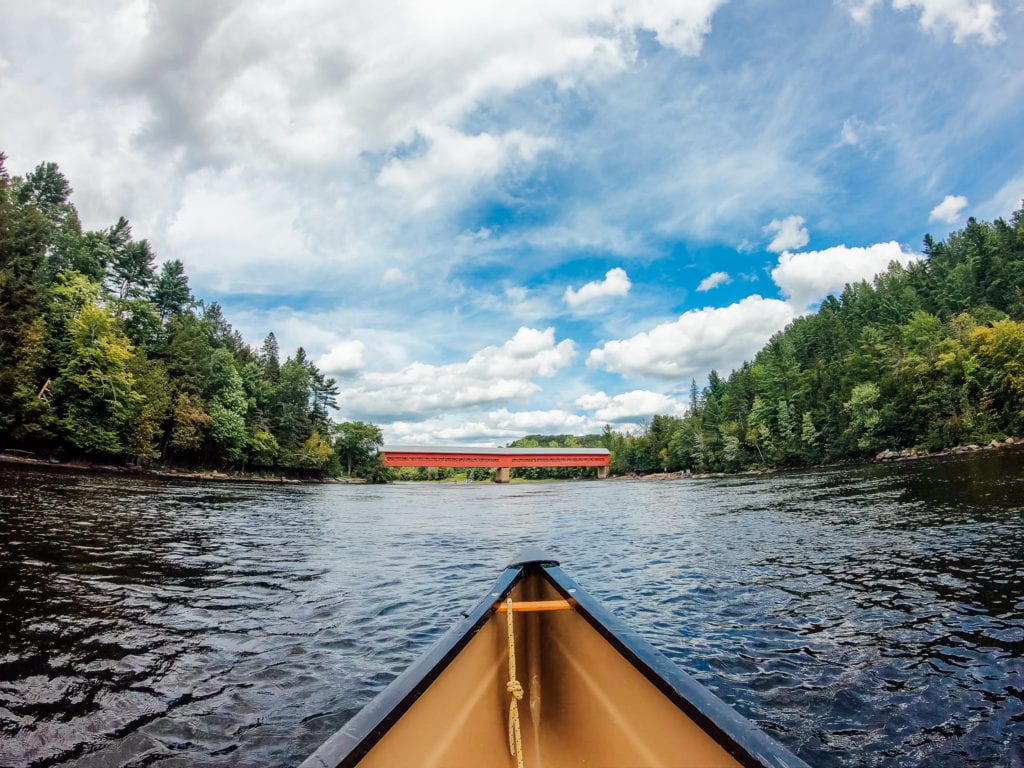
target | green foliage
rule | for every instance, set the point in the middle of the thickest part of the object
(316, 452)
(23, 239)
(151, 408)
(96, 389)
(171, 294)
(931, 356)
(355, 445)
(189, 424)
(555, 441)
(102, 355)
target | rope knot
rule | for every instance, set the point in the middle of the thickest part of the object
(515, 688)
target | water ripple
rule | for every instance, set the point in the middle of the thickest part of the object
(867, 617)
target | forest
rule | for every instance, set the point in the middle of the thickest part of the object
(104, 356)
(926, 357)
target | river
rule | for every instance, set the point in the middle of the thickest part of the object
(864, 616)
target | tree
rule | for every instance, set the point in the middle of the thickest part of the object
(227, 407)
(171, 294)
(23, 237)
(808, 438)
(131, 270)
(270, 355)
(95, 390)
(316, 452)
(999, 350)
(189, 424)
(151, 408)
(864, 415)
(46, 189)
(356, 445)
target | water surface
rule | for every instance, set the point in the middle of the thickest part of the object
(870, 616)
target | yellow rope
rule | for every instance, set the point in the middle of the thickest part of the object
(513, 686)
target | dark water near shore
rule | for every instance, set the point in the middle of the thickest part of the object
(870, 616)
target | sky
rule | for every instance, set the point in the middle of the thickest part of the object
(491, 219)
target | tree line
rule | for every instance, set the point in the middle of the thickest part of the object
(104, 356)
(928, 356)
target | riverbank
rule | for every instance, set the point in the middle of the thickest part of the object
(27, 459)
(887, 456)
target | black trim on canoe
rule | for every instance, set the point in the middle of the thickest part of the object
(740, 737)
(358, 736)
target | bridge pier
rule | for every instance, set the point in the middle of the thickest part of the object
(502, 475)
(602, 473)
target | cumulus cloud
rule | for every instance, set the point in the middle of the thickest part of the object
(362, 121)
(549, 422)
(492, 375)
(714, 280)
(861, 10)
(790, 233)
(629, 406)
(343, 358)
(701, 339)
(807, 278)
(965, 18)
(455, 161)
(616, 283)
(492, 428)
(949, 209)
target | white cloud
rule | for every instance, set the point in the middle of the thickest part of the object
(629, 406)
(861, 10)
(714, 280)
(679, 24)
(394, 276)
(343, 358)
(550, 422)
(493, 428)
(1008, 199)
(701, 339)
(455, 162)
(966, 18)
(949, 209)
(807, 278)
(790, 233)
(616, 283)
(850, 133)
(311, 103)
(492, 375)
(521, 302)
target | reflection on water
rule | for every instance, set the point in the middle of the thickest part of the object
(870, 616)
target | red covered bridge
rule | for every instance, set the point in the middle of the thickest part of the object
(499, 459)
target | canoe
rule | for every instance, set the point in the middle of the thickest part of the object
(578, 689)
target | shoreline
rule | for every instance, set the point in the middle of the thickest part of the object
(887, 456)
(14, 457)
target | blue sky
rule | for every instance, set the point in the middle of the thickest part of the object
(491, 219)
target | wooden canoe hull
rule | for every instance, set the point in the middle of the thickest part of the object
(595, 694)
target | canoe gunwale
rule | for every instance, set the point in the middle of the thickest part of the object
(747, 743)
(358, 736)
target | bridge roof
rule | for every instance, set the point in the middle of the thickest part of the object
(480, 450)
